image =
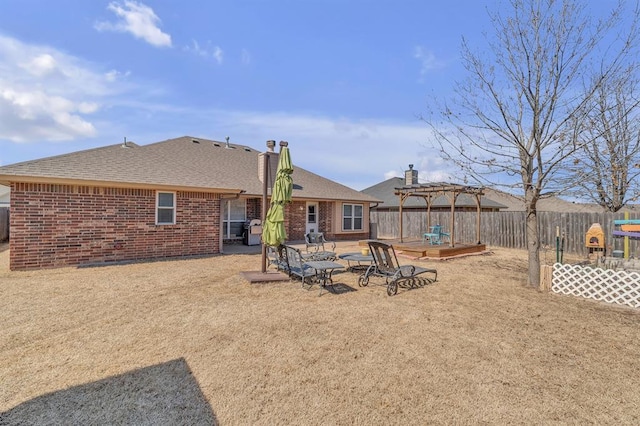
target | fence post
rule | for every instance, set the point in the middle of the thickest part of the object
(546, 276)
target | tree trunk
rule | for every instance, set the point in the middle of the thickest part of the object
(533, 247)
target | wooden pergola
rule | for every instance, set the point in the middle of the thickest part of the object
(430, 191)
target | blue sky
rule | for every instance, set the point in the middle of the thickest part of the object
(342, 81)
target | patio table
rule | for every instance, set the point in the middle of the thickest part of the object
(324, 269)
(319, 255)
(360, 261)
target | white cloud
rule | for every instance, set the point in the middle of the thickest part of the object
(46, 94)
(436, 176)
(137, 19)
(41, 65)
(427, 59)
(115, 75)
(196, 49)
(246, 57)
(35, 114)
(88, 107)
(217, 54)
(206, 52)
(391, 174)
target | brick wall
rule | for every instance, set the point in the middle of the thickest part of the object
(62, 225)
(326, 219)
(254, 208)
(296, 217)
(295, 220)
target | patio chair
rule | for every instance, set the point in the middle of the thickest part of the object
(385, 264)
(315, 241)
(277, 257)
(436, 235)
(315, 247)
(296, 268)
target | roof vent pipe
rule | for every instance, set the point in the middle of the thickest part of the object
(124, 144)
(227, 138)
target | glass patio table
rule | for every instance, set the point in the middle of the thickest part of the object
(356, 261)
(324, 270)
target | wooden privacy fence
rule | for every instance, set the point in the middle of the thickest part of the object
(4, 223)
(507, 229)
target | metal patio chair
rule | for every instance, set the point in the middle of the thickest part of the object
(385, 265)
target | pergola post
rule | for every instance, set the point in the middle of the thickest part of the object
(400, 211)
(427, 198)
(478, 218)
(452, 223)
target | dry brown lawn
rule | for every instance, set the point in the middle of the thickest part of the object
(191, 342)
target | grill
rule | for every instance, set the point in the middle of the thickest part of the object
(252, 232)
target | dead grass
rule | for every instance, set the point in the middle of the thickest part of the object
(191, 342)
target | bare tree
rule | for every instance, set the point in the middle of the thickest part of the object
(607, 166)
(514, 118)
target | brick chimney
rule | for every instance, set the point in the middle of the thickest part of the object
(411, 176)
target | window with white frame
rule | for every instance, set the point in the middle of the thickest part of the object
(352, 217)
(165, 208)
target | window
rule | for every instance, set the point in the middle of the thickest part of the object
(233, 218)
(352, 217)
(165, 208)
(311, 213)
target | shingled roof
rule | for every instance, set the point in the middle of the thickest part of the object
(184, 163)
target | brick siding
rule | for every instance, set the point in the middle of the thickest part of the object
(295, 220)
(254, 208)
(65, 225)
(326, 219)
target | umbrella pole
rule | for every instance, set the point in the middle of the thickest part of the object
(265, 186)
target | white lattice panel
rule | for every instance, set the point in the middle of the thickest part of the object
(605, 285)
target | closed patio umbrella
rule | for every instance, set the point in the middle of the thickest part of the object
(273, 232)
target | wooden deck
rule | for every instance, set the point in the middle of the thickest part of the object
(417, 248)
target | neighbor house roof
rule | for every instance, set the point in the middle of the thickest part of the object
(184, 163)
(385, 191)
